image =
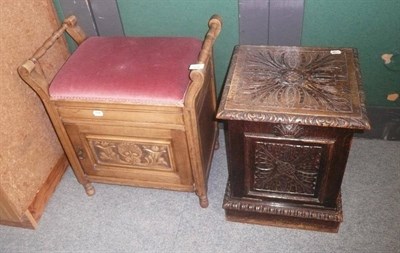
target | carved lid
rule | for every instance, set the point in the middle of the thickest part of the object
(302, 85)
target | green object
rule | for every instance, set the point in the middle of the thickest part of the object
(371, 26)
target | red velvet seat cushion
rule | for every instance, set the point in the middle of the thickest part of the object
(149, 70)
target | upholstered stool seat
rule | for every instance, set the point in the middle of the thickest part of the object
(145, 70)
(136, 111)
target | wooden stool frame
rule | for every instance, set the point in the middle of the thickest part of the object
(199, 102)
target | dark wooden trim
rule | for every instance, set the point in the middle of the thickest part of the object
(280, 221)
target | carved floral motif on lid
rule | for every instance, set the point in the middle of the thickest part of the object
(295, 85)
(314, 80)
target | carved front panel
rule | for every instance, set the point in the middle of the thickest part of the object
(286, 168)
(131, 153)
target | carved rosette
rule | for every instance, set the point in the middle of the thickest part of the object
(113, 152)
(317, 213)
(286, 168)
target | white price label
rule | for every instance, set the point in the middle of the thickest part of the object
(336, 52)
(98, 113)
(196, 66)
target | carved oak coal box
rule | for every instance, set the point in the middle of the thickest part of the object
(291, 113)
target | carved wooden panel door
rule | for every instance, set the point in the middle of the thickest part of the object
(132, 154)
(286, 162)
(287, 167)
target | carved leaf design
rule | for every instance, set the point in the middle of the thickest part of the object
(130, 153)
(156, 155)
(106, 151)
(291, 79)
(295, 85)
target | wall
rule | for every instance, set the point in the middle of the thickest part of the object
(372, 26)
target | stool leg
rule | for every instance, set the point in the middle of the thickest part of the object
(89, 189)
(203, 201)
